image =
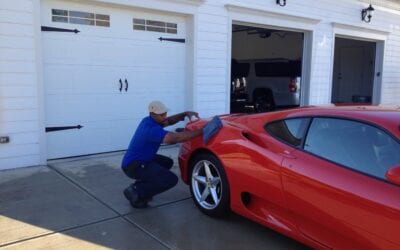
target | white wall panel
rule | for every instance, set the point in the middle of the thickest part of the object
(17, 150)
(8, 54)
(16, 42)
(18, 127)
(13, 29)
(16, 91)
(19, 115)
(18, 103)
(9, 16)
(17, 79)
(18, 161)
(17, 5)
(18, 85)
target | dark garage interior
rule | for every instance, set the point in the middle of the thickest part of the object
(265, 69)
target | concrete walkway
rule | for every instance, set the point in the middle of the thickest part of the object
(77, 203)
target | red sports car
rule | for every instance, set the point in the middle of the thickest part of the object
(326, 176)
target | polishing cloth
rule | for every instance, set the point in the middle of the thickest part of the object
(211, 129)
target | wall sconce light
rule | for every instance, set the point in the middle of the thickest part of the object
(281, 2)
(366, 14)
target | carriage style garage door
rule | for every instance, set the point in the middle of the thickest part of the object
(103, 77)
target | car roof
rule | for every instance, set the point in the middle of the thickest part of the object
(369, 113)
(383, 116)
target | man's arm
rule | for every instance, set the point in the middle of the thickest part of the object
(171, 120)
(172, 138)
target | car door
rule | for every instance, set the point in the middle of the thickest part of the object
(335, 186)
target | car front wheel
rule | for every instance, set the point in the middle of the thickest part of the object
(209, 185)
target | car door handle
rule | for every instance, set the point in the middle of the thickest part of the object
(126, 85)
(120, 85)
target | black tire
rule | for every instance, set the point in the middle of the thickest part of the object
(210, 192)
(263, 101)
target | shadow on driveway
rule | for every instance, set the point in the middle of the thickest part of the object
(78, 203)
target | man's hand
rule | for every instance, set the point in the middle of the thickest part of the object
(171, 120)
(190, 114)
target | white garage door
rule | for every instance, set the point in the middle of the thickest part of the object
(103, 77)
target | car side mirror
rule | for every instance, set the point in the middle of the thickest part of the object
(393, 175)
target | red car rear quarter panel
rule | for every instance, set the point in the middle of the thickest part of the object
(340, 207)
(249, 171)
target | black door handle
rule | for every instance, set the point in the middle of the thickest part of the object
(126, 85)
(120, 85)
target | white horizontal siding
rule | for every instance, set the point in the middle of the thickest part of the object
(14, 115)
(21, 160)
(11, 16)
(16, 150)
(16, 29)
(391, 72)
(8, 54)
(19, 127)
(19, 103)
(18, 85)
(16, 42)
(17, 79)
(17, 6)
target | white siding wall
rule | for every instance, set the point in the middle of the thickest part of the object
(391, 67)
(213, 47)
(212, 59)
(18, 85)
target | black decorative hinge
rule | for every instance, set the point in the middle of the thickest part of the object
(178, 40)
(47, 28)
(52, 129)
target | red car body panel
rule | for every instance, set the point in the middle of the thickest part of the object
(298, 194)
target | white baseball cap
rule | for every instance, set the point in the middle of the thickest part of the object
(157, 107)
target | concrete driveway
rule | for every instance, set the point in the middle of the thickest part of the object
(77, 203)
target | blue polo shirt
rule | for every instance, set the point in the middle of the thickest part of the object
(145, 142)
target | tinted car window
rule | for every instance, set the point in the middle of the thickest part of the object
(356, 145)
(278, 69)
(239, 69)
(290, 131)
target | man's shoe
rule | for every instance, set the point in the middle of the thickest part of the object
(130, 193)
(133, 198)
(139, 203)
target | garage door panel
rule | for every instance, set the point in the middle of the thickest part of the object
(105, 135)
(158, 79)
(71, 79)
(91, 108)
(152, 57)
(82, 72)
(140, 55)
(81, 50)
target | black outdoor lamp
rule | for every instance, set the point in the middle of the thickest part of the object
(366, 14)
(281, 2)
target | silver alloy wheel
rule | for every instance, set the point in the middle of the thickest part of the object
(206, 184)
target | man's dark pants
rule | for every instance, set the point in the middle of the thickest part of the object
(153, 177)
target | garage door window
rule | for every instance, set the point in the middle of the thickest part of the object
(79, 17)
(156, 26)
